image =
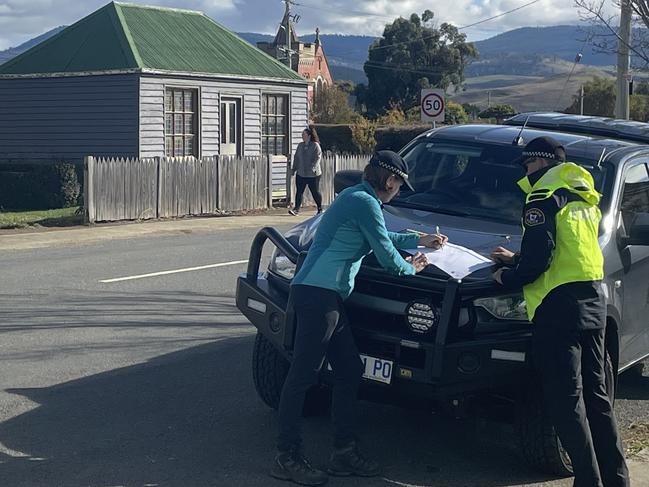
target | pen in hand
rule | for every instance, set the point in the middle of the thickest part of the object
(437, 232)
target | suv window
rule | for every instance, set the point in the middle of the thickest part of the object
(635, 196)
(469, 179)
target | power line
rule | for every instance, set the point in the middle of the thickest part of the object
(574, 64)
(379, 65)
(498, 16)
(392, 67)
(459, 28)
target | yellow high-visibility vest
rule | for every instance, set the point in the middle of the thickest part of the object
(577, 256)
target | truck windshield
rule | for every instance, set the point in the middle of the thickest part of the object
(469, 180)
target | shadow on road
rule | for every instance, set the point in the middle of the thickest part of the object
(72, 309)
(192, 419)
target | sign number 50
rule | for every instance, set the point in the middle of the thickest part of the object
(432, 105)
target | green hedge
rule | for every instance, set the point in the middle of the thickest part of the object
(395, 138)
(39, 186)
(338, 138)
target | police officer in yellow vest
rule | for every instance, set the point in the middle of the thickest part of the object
(560, 267)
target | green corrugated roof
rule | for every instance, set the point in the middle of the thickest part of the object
(123, 36)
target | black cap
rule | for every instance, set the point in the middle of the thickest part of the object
(544, 148)
(393, 162)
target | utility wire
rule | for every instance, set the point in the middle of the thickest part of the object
(380, 65)
(385, 46)
(574, 65)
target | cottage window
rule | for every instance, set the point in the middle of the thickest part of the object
(274, 111)
(181, 122)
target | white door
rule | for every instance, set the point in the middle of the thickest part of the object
(230, 127)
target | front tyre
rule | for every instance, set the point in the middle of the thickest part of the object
(538, 440)
(269, 371)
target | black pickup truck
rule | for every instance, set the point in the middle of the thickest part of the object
(450, 342)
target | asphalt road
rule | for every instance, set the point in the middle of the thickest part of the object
(147, 382)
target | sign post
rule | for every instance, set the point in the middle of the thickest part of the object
(433, 105)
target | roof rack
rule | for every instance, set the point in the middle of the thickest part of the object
(587, 125)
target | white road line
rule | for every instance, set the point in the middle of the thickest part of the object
(175, 271)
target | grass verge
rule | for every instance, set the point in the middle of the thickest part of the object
(61, 217)
(636, 437)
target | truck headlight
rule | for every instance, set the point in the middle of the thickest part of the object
(509, 307)
(421, 317)
(281, 265)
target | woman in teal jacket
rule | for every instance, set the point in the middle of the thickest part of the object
(349, 230)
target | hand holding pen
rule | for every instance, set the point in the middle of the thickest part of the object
(434, 241)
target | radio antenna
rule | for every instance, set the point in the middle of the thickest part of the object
(518, 140)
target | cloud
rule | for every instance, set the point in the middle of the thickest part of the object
(21, 20)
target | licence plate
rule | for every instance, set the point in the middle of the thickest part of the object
(377, 369)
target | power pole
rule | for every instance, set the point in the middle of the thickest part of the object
(488, 99)
(623, 62)
(581, 100)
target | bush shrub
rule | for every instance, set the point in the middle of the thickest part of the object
(395, 138)
(363, 137)
(39, 186)
(336, 138)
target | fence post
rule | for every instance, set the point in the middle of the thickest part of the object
(289, 185)
(269, 181)
(158, 187)
(89, 190)
(217, 172)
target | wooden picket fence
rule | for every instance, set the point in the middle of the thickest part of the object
(118, 189)
(332, 163)
(139, 189)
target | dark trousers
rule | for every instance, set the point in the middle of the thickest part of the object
(314, 187)
(571, 364)
(322, 332)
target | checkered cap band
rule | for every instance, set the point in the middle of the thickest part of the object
(544, 155)
(393, 169)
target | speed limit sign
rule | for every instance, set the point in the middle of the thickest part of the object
(432, 105)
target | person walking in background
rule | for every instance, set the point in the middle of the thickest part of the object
(308, 169)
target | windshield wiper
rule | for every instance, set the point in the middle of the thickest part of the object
(432, 208)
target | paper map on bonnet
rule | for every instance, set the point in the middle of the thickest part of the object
(455, 260)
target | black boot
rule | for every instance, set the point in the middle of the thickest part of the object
(291, 465)
(348, 461)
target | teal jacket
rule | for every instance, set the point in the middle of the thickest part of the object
(351, 228)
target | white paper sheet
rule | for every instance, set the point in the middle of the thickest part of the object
(455, 260)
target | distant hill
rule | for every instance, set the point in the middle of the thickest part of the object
(12, 52)
(534, 51)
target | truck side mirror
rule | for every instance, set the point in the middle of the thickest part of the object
(346, 179)
(639, 232)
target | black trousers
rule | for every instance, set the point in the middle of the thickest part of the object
(322, 332)
(314, 187)
(571, 363)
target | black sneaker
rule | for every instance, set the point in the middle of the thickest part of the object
(294, 212)
(349, 461)
(319, 211)
(293, 466)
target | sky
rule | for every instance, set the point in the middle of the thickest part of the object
(21, 20)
